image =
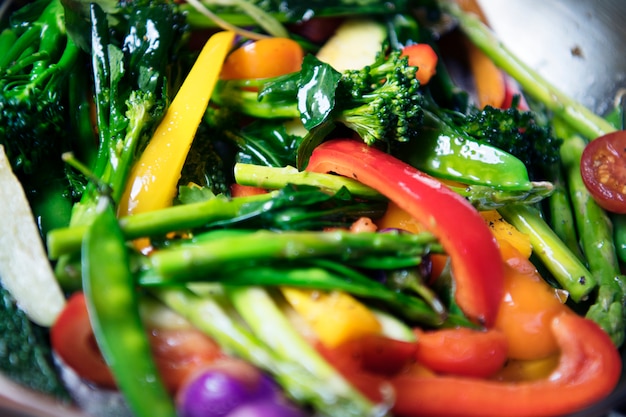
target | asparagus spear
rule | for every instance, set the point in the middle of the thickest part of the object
(595, 230)
(483, 197)
(566, 268)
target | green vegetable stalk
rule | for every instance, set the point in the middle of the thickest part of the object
(483, 197)
(595, 230)
(319, 260)
(112, 302)
(567, 269)
(193, 260)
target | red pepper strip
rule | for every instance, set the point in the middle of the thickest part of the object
(462, 351)
(588, 370)
(369, 361)
(476, 264)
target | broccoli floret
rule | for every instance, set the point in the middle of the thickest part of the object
(25, 353)
(381, 101)
(517, 132)
(132, 70)
(33, 80)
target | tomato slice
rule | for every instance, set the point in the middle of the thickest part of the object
(178, 352)
(73, 341)
(603, 169)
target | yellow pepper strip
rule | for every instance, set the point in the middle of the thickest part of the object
(335, 317)
(503, 230)
(517, 370)
(153, 179)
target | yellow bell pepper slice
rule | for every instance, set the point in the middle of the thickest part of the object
(153, 178)
(503, 230)
(335, 317)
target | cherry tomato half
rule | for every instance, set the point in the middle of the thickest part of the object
(177, 352)
(73, 340)
(603, 169)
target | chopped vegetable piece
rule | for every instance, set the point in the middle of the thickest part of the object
(335, 317)
(462, 351)
(603, 169)
(503, 230)
(221, 388)
(424, 57)
(262, 59)
(73, 341)
(38, 292)
(527, 309)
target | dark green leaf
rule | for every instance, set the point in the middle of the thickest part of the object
(316, 96)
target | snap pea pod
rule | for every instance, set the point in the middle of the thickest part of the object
(114, 315)
(446, 153)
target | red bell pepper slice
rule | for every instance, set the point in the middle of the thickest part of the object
(476, 265)
(462, 351)
(588, 370)
(369, 361)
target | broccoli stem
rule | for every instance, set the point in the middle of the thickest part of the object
(15, 49)
(596, 237)
(302, 373)
(8, 38)
(564, 265)
(578, 116)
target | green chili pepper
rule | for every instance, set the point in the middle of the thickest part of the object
(445, 153)
(112, 302)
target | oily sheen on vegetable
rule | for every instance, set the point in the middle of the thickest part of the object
(462, 232)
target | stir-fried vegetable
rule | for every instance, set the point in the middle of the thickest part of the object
(263, 227)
